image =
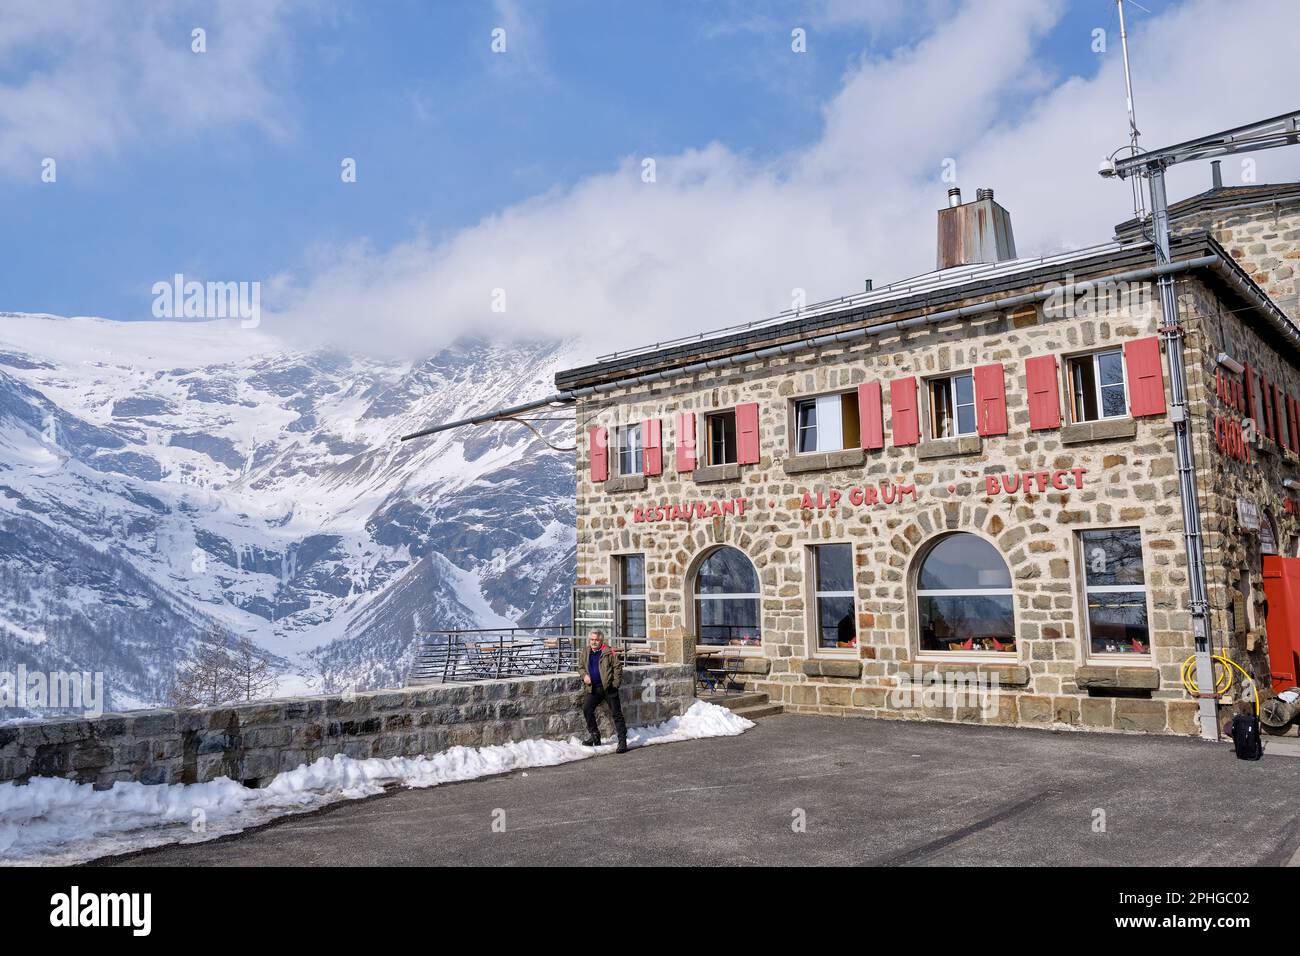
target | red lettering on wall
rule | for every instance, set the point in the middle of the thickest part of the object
(1029, 481)
(688, 511)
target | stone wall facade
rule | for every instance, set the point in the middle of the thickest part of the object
(253, 742)
(1233, 551)
(922, 493)
(1258, 225)
(1264, 237)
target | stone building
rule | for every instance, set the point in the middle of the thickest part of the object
(956, 497)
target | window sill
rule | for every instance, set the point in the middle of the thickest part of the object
(625, 483)
(755, 662)
(950, 447)
(823, 461)
(1009, 672)
(1113, 675)
(708, 474)
(833, 667)
(1100, 430)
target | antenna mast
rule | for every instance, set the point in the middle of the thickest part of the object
(1281, 130)
(1139, 200)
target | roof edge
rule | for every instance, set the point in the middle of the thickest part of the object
(1189, 246)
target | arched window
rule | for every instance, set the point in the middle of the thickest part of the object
(963, 597)
(727, 599)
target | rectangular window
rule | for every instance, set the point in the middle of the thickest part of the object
(827, 423)
(631, 455)
(1097, 387)
(952, 406)
(631, 595)
(1115, 594)
(833, 595)
(721, 429)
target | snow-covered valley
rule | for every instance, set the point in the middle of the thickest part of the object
(159, 478)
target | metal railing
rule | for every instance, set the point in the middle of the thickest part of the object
(461, 655)
(731, 636)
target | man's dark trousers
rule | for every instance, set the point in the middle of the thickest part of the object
(594, 699)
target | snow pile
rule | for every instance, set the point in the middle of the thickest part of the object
(56, 821)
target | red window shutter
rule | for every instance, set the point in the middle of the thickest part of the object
(1272, 411)
(1277, 415)
(1266, 407)
(1248, 377)
(1146, 382)
(1268, 389)
(1293, 422)
(685, 441)
(870, 421)
(654, 455)
(747, 434)
(597, 450)
(990, 400)
(904, 420)
(1044, 391)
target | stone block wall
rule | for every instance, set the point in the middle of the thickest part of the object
(1265, 239)
(253, 742)
(1233, 556)
(1130, 481)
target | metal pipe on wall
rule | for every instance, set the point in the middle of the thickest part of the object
(1198, 600)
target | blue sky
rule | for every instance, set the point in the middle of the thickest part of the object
(226, 165)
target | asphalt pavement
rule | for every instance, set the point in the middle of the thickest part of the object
(819, 790)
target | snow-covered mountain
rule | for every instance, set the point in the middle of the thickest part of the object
(158, 477)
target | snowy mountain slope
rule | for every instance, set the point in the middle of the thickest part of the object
(157, 477)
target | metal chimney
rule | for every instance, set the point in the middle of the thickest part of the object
(1216, 174)
(972, 232)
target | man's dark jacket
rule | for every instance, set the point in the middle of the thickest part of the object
(610, 666)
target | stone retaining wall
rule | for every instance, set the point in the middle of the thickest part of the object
(253, 742)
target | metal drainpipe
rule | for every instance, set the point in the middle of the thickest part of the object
(1172, 329)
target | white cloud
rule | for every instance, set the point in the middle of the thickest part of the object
(525, 49)
(93, 84)
(721, 238)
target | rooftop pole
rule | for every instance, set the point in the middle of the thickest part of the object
(1279, 131)
(1139, 206)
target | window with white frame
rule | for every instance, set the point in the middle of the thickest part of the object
(1097, 386)
(952, 406)
(720, 429)
(826, 423)
(964, 601)
(832, 569)
(631, 595)
(631, 454)
(1115, 594)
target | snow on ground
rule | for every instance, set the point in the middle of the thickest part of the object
(57, 822)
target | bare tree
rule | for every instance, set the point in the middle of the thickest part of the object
(223, 669)
(251, 671)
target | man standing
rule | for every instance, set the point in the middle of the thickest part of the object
(602, 673)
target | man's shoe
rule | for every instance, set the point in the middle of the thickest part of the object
(622, 746)
(592, 741)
